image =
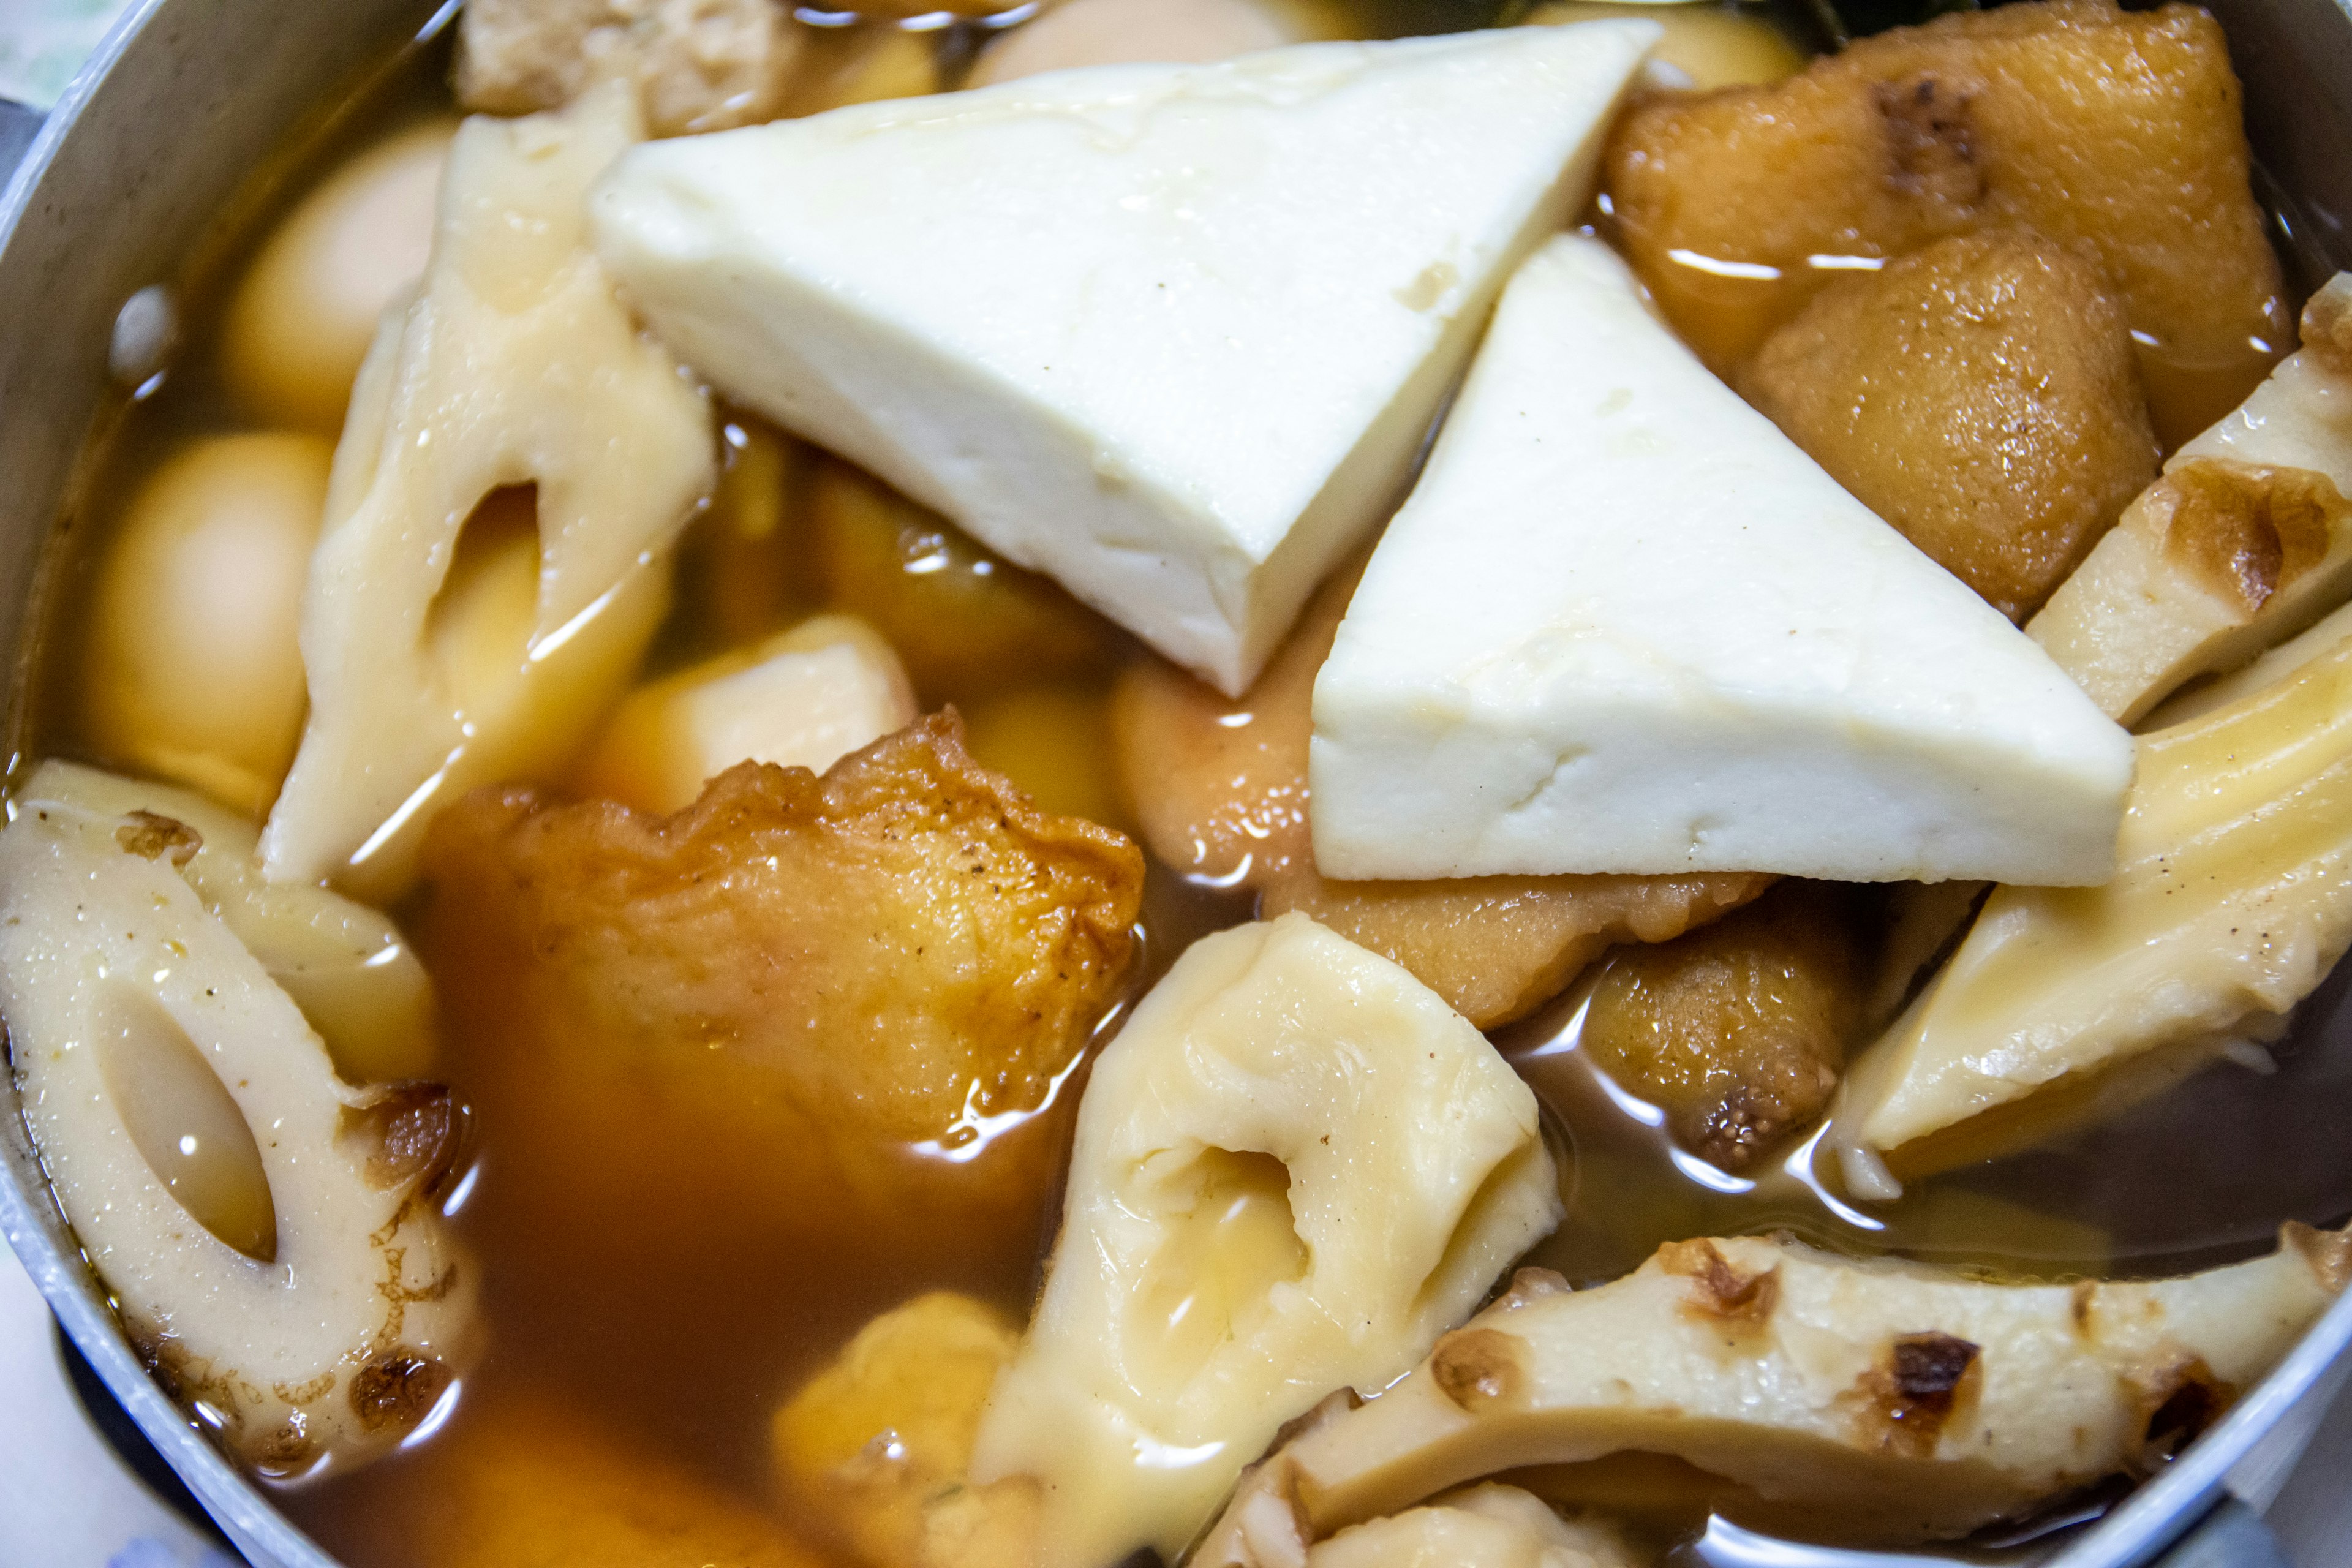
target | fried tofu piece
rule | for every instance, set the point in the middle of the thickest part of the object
(806, 998)
(879, 1438)
(967, 622)
(1736, 1031)
(698, 65)
(1982, 395)
(2116, 134)
(1219, 788)
(527, 1481)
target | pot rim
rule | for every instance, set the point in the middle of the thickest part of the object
(2133, 1534)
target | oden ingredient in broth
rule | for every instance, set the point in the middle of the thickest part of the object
(785, 1013)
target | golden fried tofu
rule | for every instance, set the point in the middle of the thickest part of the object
(698, 65)
(967, 622)
(1219, 787)
(524, 1482)
(740, 572)
(884, 1433)
(1981, 394)
(803, 998)
(2114, 133)
(1736, 1031)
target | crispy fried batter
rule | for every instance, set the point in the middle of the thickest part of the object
(870, 1445)
(1736, 1032)
(523, 1478)
(1220, 788)
(795, 980)
(2116, 134)
(698, 65)
(1981, 395)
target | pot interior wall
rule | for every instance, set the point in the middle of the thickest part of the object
(130, 178)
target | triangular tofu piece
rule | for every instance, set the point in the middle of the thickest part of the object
(1624, 625)
(1170, 334)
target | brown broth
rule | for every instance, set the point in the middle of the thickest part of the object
(678, 1327)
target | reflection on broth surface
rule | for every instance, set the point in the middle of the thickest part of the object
(683, 1208)
(2181, 1181)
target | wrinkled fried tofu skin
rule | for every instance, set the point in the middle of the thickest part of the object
(2114, 133)
(1982, 395)
(878, 1442)
(1737, 1030)
(2246, 537)
(521, 1479)
(785, 996)
(1803, 1393)
(1219, 787)
(698, 65)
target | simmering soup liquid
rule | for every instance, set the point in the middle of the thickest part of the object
(667, 1322)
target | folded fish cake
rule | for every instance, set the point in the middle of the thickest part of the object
(2231, 903)
(1292, 1168)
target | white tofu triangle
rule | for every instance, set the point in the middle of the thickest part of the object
(1622, 624)
(1170, 334)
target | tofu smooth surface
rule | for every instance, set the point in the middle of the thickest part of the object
(1624, 625)
(1170, 334)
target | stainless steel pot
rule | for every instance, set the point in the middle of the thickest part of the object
(187, 97)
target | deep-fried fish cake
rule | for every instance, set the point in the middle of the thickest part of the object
(2116, 133)
(1220, 789)
(1737, 1032)
(796, 980)
(1981, 395)
(526, 1477)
